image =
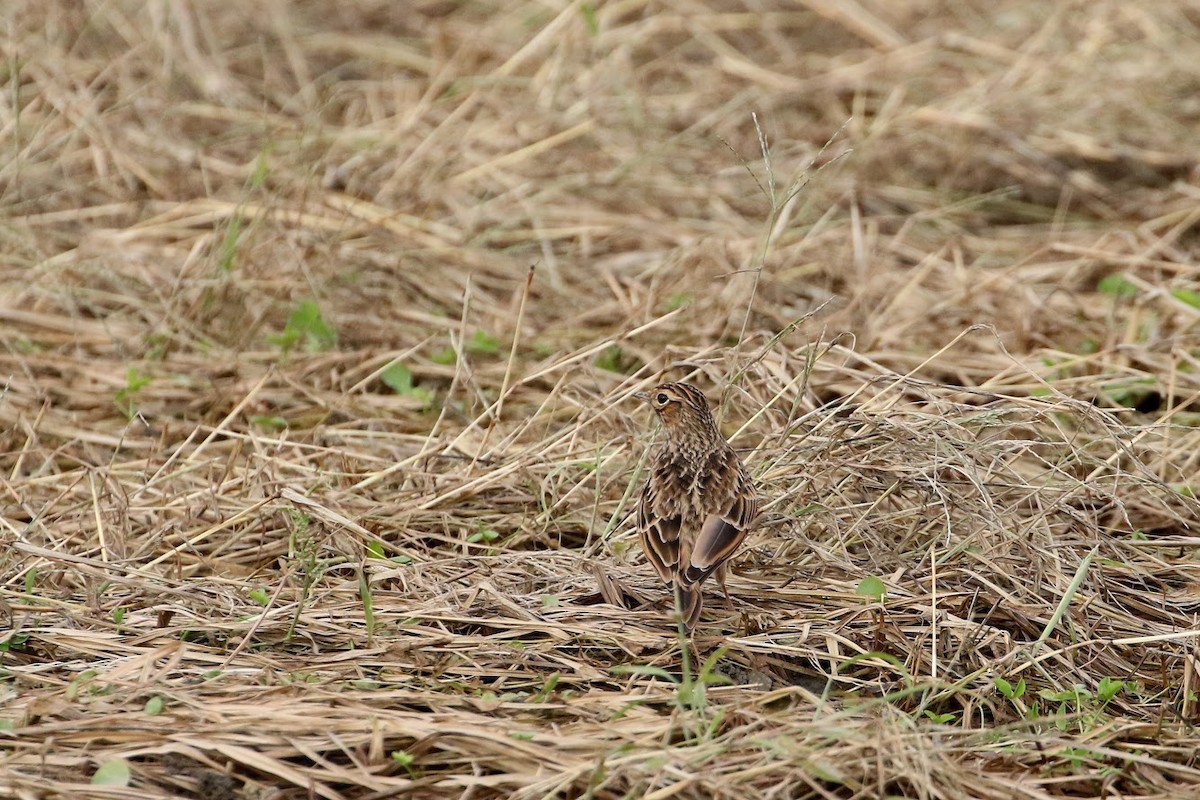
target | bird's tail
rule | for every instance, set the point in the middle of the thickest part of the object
(688, 601)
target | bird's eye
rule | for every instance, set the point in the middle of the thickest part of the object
(661, 399)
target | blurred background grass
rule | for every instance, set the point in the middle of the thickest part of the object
(283, 400)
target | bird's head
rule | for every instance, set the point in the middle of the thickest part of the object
(683, 410)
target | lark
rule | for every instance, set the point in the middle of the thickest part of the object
(698, 503)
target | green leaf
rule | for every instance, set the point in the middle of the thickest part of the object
(547, 688)
(445, 357)
(1116, 285)
(1010, 691)
(260, 596)
(679, 300)
(375, 549)
(135, 381)
(14, 641)
(1187, 296)
(112, 773)
(486, 535)
(1108, 688)
(1077, 694)
(230, 242)
(398, 378)
(268, 421)
(483, 344)
(871, 587)
(306, 326)
(262, 168)
(590, 21)
(1069, 595)
(1130, 394)
(611, 359)
(826, 771)
(154, 706)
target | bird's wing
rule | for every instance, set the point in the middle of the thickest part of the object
(722, 532)
(660, 534)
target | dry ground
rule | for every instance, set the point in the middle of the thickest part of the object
(310, 488)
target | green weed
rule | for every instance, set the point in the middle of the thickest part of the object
(126, 397)
(306, 328)
(399, 379)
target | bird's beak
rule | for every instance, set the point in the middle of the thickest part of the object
(641, 396)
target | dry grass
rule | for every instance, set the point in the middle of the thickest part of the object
(312, 489)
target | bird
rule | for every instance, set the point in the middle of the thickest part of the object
(698, 503)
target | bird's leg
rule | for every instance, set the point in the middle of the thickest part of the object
(720, 576)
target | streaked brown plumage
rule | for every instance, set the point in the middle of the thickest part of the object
(698, 503)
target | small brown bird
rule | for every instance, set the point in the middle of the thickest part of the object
(698, 503)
